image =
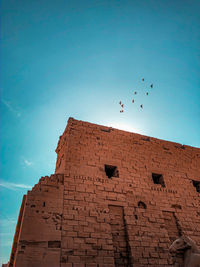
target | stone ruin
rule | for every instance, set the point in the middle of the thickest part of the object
(116, 199)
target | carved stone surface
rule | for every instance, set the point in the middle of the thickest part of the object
(189, 249)
(80, 217)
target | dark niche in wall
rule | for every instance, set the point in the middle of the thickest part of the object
(142, 205)
(111, 171)
(158, 179)
(196, 184)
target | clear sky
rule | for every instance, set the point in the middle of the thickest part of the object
(79, 58)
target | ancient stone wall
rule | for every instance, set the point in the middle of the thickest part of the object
(17, 234)
(39, 241)
(124, 198)
(153, 186)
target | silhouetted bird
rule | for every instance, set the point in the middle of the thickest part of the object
(122, 105)
(152, 85)
(133, 101)
(135, 93)
(143, 79)
(120, 102)
(141, 106)
(147, 93)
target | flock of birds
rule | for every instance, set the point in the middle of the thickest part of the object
(133, 100)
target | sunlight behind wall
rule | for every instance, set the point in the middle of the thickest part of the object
(126, 127)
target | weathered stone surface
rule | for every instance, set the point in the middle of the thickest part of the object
(189, 249)
(39, 240)
(116, 199)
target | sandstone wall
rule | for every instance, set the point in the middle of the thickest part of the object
(129, 216)
(39, 243)
(17, 234)
(121, 201)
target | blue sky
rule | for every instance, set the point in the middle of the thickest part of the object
(80, 58)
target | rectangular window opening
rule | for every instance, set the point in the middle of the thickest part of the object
(111, 171)
(196, 184)
(158, 179)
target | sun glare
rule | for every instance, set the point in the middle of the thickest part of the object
(125, 127)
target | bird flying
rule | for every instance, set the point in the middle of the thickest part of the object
(135, 93)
